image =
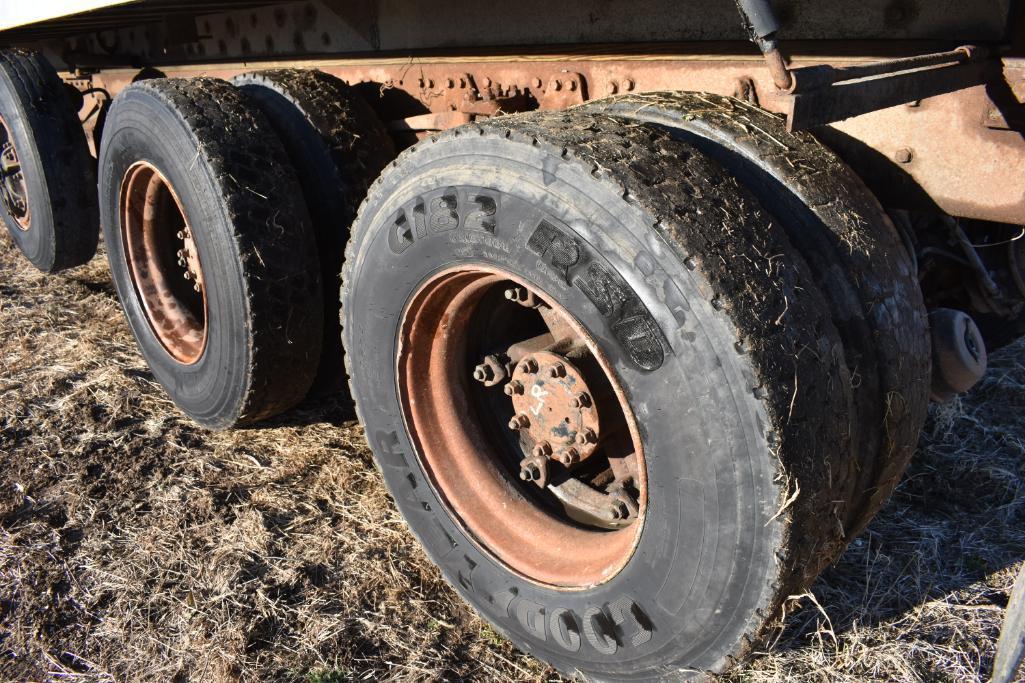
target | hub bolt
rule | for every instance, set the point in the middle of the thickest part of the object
(483, 373)
(556, 371)
(569, 457)
(513, 388)
(587, 436)
(519, 422)
(543, 449)
(581, 400)
(528, 366)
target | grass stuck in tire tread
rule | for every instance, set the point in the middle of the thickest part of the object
(226, 163)
(752, 307)
(54, 155)
(337, 146)
(859, 260)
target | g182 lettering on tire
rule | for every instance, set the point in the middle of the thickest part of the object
(602, 386)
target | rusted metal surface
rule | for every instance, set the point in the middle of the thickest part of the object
(558, 407)
(959, 165)
(13, 191)
(566, 525)
(825, 94)
(163, 261)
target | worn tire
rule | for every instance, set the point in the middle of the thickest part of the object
(744, 417)
(858, 261)
(58, 169)
(263, 292)
(337, 146)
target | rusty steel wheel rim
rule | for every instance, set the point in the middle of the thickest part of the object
(522, 428)
(164, 263)
(13, 190)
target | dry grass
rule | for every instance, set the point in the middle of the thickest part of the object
(135, 546)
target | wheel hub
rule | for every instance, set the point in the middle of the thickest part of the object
(551, 397)
(13, 190)
(549, 477)
(164, 262)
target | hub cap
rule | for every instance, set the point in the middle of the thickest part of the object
(522, 428)
(13, 191)
(164, 263)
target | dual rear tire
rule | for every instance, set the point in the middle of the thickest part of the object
(224, 275)
(711, 322)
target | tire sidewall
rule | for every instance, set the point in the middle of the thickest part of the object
(141, 128)
(38, 243)
(704, 560)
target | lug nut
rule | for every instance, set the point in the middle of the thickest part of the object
(513, 388)
(528, 366)
(483, 373)
(581, 400)
(556, 371)
(519, 422)
(569, 457)
(543, 449)
(587, 436)
(514, 294)
(187, 275)
(619, 510)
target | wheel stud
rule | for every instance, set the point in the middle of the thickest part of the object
(513, 388)
(581, 400)
(519, 422)
(483, 373)
(570, 456)
(587, 436)
(556, 371)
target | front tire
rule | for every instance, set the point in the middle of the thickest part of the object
(712, 331)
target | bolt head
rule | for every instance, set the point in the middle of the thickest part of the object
(587, 436)
(543, 449)
(528, 366)
(519, 422)
(556, 371)
(513, 388)
(581, 400)
(483, 373)
(903, 155)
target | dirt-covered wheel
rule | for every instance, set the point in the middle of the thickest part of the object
(337, 146)
(210, 249)
(857, 258)
(497, 269)
(47, 181)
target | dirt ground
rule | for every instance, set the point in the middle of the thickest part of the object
(135, 546)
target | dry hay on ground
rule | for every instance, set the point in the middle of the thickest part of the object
(137, 547)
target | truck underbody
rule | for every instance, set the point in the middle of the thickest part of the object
(876, 152)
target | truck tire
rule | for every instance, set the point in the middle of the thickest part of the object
(47, 183)
(211, 250)
(858, 260)
(337, 146)
(659, 536)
